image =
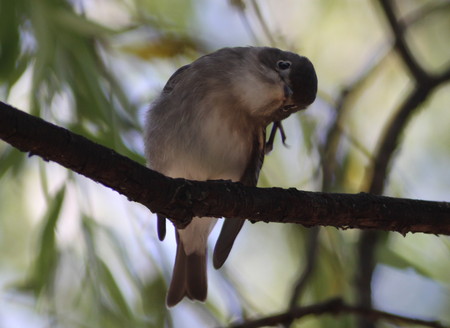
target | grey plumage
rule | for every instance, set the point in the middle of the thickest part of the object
(189, 277)
(209, 123)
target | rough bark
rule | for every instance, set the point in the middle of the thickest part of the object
(182, 199)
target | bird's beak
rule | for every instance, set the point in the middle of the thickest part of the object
(288, 104)
(287, 92)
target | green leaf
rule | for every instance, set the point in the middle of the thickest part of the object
(11, 160)
(9, 37)
(46, 261)
(113, 290)
(153, 297)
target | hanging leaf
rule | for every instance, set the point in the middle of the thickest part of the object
(45, 264)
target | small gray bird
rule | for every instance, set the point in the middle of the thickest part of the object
(209, 123)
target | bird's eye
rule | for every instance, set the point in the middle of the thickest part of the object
(283, 64)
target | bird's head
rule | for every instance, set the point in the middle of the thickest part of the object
(297, 78)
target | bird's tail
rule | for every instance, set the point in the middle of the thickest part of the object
(189, 276)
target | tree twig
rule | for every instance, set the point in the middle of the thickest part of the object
(398, 29)
(263, 23)
(311, 260)
(336, 307)
(424, 85)
(393, 132)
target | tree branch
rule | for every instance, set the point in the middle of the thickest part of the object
(424, 84)
(393, 132)
(398, 30)
(311, 250)
(182, 199)
(336, 307)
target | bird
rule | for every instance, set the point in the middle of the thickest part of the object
(209, 123)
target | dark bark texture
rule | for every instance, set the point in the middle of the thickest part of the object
(182, 199)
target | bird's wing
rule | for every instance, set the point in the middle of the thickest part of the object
(170, 85)
(232, 226)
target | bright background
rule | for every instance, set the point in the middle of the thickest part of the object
(75, 254)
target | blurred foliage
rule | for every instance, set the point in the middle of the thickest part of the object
(44, 268)
(77, 255)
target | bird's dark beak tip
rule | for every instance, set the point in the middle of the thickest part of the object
(287, 92)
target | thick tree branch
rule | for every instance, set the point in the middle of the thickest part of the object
(336, 307)
(181, 199)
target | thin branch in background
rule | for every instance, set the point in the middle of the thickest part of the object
(356, 143)
(329, 163)
(335, 307)
(425, 10)
(336, 131)
(241, 8)
(312, 248)
(366, 261)
(425, 84)
(263, 24)
(389, 143)
(248, 27)
(311, 251)
(391, 137)
(398, 29)
(366, 72)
